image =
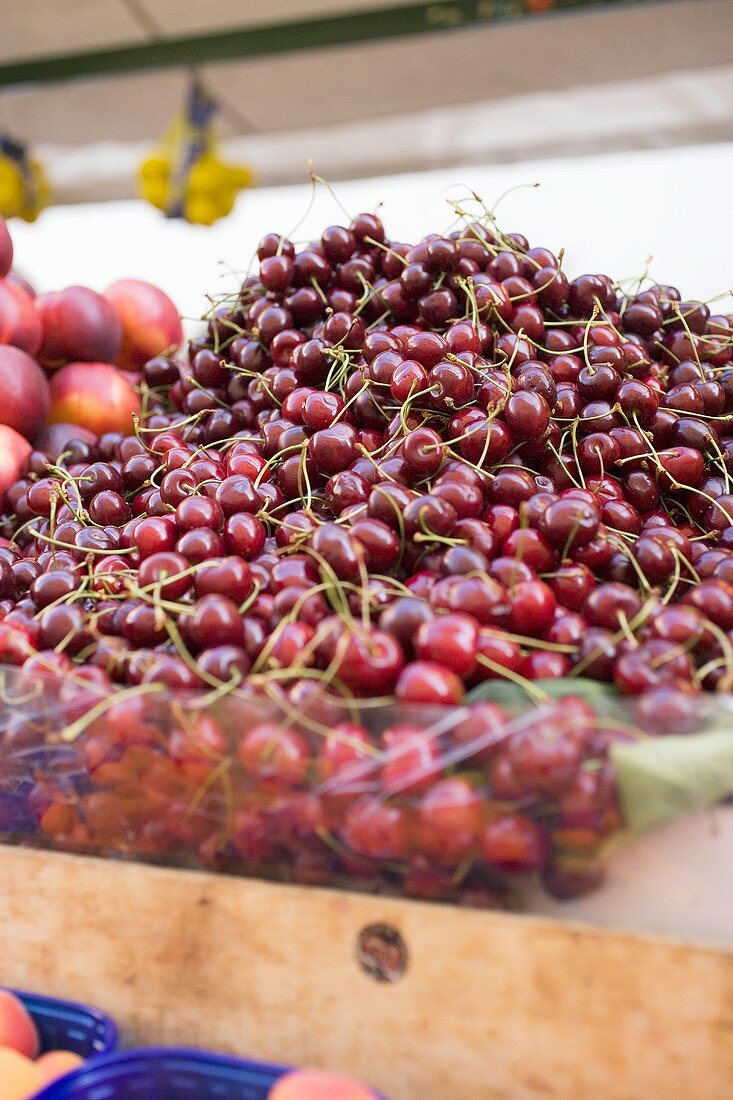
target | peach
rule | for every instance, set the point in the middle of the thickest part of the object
(20, 1078)
(57, 1063)
(319, 1084)
(17, 1029)
(78, 323)
(18, 280)
(6, 248)
(95, 396)
(25, 398)
(20, 325)
(14, 450)
(150, 321)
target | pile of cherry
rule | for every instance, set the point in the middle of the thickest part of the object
(386, 472)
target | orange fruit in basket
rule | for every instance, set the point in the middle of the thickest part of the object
(20, 1078)
(57, 1063)
(17, 1029)
(319, 1084)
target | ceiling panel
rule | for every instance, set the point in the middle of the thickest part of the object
(129, 109)
(34, 28)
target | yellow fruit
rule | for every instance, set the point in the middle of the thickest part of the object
(206, 177)
(155, 181)
(11, 188)
(156, 194)
(22, 195)
(241, 178)
(201, 210)
(226, 203)
(210, 187)
(37, 196)
(155, 168)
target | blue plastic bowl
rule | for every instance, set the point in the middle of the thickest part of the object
(166, 1074)
(63, 1025)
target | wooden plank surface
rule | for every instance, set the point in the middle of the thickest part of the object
(491, 1006)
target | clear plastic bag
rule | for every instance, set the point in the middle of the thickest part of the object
(509, 803)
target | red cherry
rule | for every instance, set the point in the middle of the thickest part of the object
(370, 663)
(430, 683)
(166, 573)
(274, 755)
(532, 608)
(195, 512)
(342, 756)
(482, 733)
(376, 829)
(680, 466)
(230, 577)
(215, 621)
(527, 414)
(451, 641)
(608, 602)
(569, 523)
(572, 584)
(514, 843)
(153, 535)
(541, 665)
(244, 535)
(411, 759)
(449, 819)
(423, 450)
(530, 547)
(495, 653)
(224, 663)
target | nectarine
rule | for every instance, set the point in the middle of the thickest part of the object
(19, 280)
(24, 394)
(6, 249)
(78, 323)
(17, 1029)
(57, 1063)
(14, 450)
(150, 321)
(319, 1084)
(20, 325)
(94, 395)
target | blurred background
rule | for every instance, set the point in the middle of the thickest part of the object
(358, 86)
(623, 111)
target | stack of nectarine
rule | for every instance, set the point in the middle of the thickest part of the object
(73, 356)
(22, 1072)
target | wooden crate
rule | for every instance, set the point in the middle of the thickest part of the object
(491, 1006)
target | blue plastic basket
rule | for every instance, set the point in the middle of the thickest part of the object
(166, 1074)
(63, 1025)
